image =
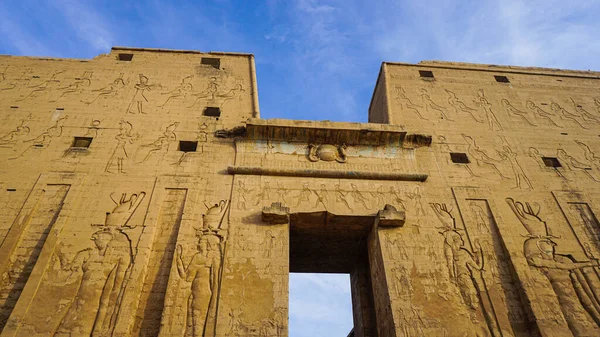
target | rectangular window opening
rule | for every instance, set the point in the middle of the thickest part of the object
(187, 146)
(426, 73)
(125, 57)
(14, 107)
(211, 61)
(11, 189)
(212, 111)
(459, 158)
(501, 79)
(551, 162)
(82, 142)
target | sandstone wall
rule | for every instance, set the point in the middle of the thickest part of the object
(129, 208)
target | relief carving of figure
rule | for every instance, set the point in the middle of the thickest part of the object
(137, 102)
(209, 93)
(180, 92)
(459, 105)
(512, 111)
(119, 155)
(397, 198)
(520, 177)
(14, 136)
(462, 263)
(358, 197)
(236, 91)
(576, 295)
(415, 196)
(537, 157)
(102, 272)
(44, 86)
(574, 164)
(203, 271)
(405, 102)
(264, 195)
(45, 138)
(340, 196)
(402, 283)
(327, 152)
(304, 195)
(161, 144)
(589, 154)
(540, 113)
(322, 196)
(481, 157)
(282, 192)
(430, 104)
(78, 86)
(484, 104)
(585, 115)
(565, 115)
(110, 90)
(242, 193)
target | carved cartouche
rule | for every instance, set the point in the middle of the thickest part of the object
(327, 152)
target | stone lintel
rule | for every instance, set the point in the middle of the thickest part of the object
(326, 132)
(315, 173)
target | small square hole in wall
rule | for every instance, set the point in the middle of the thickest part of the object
(82, 142)
(501, 79)
(426, 74)
(211, 61)
(459, 158)
(187, 146)
(551, 162)
(125, 57)
(212, 111)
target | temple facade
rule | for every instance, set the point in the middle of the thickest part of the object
(142, 195)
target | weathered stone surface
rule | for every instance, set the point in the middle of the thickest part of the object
(143, 195)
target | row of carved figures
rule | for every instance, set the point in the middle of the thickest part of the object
(482, 111)
(121, 154)
(348, 198)
(589, 165)
(56, 90)
(575, 283)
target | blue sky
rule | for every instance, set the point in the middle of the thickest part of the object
(316, 59)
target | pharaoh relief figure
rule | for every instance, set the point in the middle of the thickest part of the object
(575, 283)
(101, 272)
(204, 272)
(462, 263)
